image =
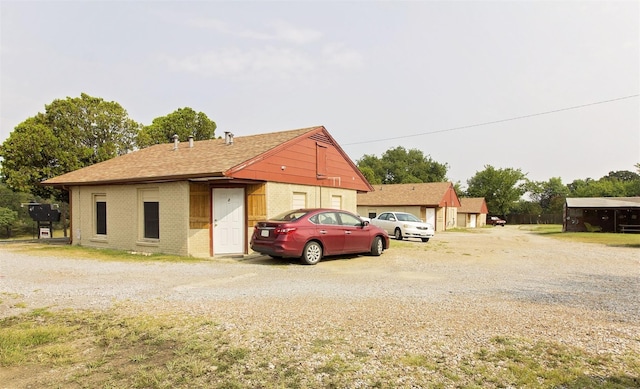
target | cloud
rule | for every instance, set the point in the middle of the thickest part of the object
(277, 31)
(235, 62)
(288, 33)
(282, 52)
(278, 50)
(342, 57)
(267, 62)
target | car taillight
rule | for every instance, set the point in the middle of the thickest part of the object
(284, 230)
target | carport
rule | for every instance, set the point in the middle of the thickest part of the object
(606, 214)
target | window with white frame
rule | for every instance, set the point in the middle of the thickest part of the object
(299, 200)
(336, 202)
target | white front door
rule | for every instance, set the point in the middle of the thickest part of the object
(228, 220)
(472, 224)
(431, 216)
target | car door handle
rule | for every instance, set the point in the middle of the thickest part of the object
(348, 232)
(323, 231)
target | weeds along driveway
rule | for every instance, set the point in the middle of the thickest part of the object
(467, 285)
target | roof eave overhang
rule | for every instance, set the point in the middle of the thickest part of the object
(605, 206)
(141, 180)
(399, 204)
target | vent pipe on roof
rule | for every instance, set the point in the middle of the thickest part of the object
(190, 141)
(228, 138)
(175, 141)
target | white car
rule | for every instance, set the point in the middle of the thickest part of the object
(404, 225)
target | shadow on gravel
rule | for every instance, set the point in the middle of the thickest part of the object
(270, 261)
(633, 245)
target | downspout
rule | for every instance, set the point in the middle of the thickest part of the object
(445, 216)
(69, 210)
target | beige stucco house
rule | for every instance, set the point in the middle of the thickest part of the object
(472, 212)
(434, 202)
(202, 198)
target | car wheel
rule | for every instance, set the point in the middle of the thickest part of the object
(312, 253)
(425, 239)
(377, 247)
(397, 234)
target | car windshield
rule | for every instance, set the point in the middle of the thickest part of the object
(290, 215)
(407, 217)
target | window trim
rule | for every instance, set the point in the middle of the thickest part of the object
(96, 235)
(151, 220)
(299, 200)
(336, 201)
(150, 195)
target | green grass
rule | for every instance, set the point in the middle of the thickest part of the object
(109, 349)
(97, 254)
(610, 239)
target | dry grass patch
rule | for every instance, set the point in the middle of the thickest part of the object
(81, 252)
(107, 349)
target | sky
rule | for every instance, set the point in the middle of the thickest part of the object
(547, 87)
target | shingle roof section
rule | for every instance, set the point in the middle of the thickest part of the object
(405, 194)
(471, 205)
(603, 202)
(161, 162)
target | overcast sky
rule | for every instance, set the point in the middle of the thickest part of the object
(547, 87)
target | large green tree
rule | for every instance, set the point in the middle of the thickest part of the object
(550, 195)
(183, 122)
(615, 184)
(501, 188)
(7, 218)
(401, 166)
(70, 134)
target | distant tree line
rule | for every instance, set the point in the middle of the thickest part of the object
(507, 191)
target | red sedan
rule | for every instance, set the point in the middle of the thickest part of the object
(311, 234)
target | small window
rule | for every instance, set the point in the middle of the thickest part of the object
(299, 200)
(151, 220)
(101, 216)
(149, 214)
(336, 202)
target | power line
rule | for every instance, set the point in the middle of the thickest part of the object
(496, 121)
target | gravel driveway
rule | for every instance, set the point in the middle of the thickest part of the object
(460, 289)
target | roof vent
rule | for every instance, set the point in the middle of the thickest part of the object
(228, 138)
(190, 141)
(175, 141)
